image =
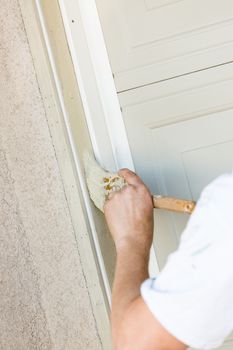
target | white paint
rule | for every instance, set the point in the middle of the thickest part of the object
(96, 84)
(74, 153)
(153, 40)
(97, 88)
(187, 136)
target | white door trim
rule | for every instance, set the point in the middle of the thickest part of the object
(73, 149)
(76, 192)
(94, 75)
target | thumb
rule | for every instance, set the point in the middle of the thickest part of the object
(130, 177)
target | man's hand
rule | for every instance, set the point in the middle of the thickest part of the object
(129, 214)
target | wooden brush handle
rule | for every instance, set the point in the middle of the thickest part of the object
(174, 204)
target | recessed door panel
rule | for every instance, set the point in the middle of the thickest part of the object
(152, 40)
(181, 137)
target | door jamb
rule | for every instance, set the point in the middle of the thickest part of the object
(96, 83)
(97, 88)
(75, 190)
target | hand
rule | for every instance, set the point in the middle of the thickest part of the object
(129, 214)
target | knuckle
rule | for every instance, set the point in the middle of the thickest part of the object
(129, 189)
(123, 171)
(126, 172)
(144, 192)
(141, 188)
(129, 192)
(115, 196)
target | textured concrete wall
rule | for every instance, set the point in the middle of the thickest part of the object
(44, 302)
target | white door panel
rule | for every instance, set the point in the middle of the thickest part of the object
(152, 40)
(181, 137)
(152, 4)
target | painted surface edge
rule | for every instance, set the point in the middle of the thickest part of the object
(75, 150)
(96, 63)
(73, 194)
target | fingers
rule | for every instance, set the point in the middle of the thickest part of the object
(118, 194)
(134, 186)
(111, 195)
(108, 199)
(130, 177)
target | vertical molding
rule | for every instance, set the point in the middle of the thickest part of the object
(91, 62)
(98, 92)
(73, 149)
(57, 119)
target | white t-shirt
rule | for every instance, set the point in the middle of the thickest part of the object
(192, 297)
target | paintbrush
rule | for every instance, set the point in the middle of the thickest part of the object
(101, 183)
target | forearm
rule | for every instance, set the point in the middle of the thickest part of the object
(129, 214)
(131, 271)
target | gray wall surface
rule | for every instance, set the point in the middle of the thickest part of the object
(44, 301)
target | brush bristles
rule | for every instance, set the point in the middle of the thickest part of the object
(100, 182)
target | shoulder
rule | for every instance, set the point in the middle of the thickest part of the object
(221, 187)
(219, 195)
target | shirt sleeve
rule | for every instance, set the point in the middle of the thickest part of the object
(192, 297)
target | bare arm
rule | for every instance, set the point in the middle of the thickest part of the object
(129, 214)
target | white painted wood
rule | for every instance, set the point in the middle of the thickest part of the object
(181, 136)
(55, 113)
(99, 96)
(96, 83)
(153, 40)
(73, 149)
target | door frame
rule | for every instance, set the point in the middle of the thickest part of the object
(95, 79)
(70, 166)
(97, 88)
(104, 121)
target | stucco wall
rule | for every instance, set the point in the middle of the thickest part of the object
(44, 301)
